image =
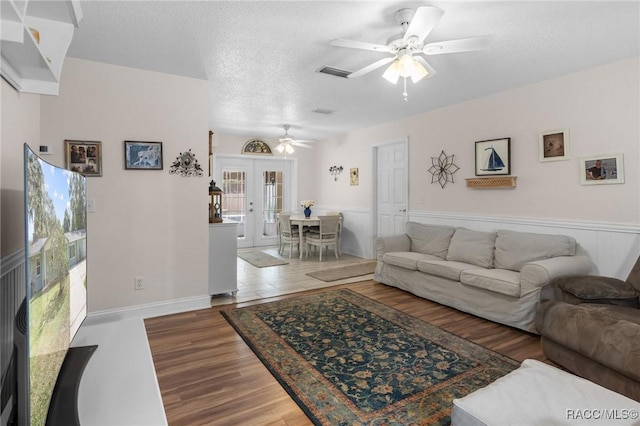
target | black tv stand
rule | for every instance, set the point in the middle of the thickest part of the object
(63, 409)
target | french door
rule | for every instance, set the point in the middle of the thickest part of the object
(254, 192)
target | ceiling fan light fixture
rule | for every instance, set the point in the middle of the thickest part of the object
(392, 74)
(289, 149)
(418, 72)
(280, 148)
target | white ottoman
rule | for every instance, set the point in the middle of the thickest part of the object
(539, 394)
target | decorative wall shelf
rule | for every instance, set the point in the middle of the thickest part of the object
(34, 41)
(492, 182)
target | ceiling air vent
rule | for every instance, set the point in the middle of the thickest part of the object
(334, 71)
(323, 111)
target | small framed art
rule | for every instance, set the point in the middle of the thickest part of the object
(602, 169)
(554, 145)
(354, 176)
(142, 155)
(493, 157)
(84, 157)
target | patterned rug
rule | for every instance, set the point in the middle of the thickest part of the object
(335, 274)
(347, 359)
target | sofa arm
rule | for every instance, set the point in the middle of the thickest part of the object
(391, 243)
(536, 274)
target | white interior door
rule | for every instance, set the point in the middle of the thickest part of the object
(254, 192)
(392, 190)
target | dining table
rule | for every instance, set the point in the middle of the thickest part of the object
(302, 222)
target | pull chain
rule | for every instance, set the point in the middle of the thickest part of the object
(405, 94)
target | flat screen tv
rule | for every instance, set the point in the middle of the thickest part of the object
(56, 293)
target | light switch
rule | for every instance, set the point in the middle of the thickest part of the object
(91, 205)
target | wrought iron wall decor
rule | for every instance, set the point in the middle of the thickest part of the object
(187, 165)
(335, 171)
(442, 169)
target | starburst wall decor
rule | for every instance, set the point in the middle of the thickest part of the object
(442, 169)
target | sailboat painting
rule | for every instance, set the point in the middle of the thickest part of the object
(493, 157)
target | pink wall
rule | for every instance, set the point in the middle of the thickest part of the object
(599, 106)
(146, 223)
(20, 123)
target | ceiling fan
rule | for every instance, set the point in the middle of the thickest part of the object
(287, 142)
(416, 26)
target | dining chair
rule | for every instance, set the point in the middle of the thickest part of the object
(316, 229)
(326, 237)
(287, 234)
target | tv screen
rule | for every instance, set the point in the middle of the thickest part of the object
(56, 242)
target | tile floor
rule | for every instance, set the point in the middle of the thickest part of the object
(258, 283)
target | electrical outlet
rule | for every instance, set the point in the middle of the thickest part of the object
(138, 283)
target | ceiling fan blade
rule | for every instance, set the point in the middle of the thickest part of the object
(429, 68)
(455, 46)
(301, 145)
(369, 68)
(425, 18)
(352, 44)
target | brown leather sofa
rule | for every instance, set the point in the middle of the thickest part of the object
(590, 325)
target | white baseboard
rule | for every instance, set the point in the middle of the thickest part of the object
(149, 310)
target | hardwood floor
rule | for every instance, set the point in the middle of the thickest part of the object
(209, 376)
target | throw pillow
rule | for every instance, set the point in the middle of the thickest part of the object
(591, 287)
(472, 247)
(429, 239)
(514, 249)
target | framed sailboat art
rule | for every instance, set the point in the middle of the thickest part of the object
(493, 157)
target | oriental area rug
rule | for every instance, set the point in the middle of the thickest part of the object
(348, 360)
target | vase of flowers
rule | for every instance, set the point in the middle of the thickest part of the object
(307, 207)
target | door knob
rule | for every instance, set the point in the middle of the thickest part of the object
(250, 210)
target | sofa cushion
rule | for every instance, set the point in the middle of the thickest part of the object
(592, 287)
(472, 247)
(514, 249)
(429, 239)
(444, 268)
(498, 280)
(406, 259)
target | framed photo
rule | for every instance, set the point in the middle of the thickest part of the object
(493, 157)
(602, 169)
(354, 176)
(554, 145)
(256, 146)
(84, 157)
(142, 155)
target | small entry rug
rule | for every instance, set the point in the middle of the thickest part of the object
(336, 274)
(260, 259)
(347, 359)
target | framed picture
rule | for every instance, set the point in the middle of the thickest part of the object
(84, 157)
(353, 173)
(554, 145)
(142, 155)
(602, 169)
(256, 146)
(493, 157)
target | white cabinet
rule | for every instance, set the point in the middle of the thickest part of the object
(34, 41)
(223, 261)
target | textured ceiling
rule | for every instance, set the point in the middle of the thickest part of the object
(261, 58)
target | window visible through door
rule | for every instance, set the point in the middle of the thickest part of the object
(234, 198)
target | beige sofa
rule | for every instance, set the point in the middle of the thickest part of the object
(495, 275)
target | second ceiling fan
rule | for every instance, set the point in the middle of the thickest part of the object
(287, 142)
(406, 50)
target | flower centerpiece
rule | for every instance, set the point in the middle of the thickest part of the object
(307, 207)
